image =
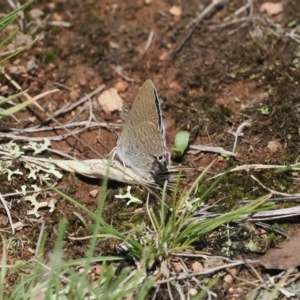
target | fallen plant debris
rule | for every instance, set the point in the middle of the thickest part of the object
(285, 256)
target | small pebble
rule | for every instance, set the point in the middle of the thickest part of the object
(175, 11)
(94, 193)
(74, 95)
(197, 266)
(110, 101)
(121, 86)
(193, 292)
(164, 56)
(228, 278)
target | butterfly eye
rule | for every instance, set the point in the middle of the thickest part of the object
(160, 158)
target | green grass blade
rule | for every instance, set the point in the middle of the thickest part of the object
(9, 38)
(13, 14)
(10, 111)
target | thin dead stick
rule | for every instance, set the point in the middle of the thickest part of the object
(22, 193)
(250, 3)
(59, 153)
(64, 109)
(148, 43)
(169, 289)
(277, 214)
(60, 24)
(243, 19)
(194, 24)
(16, 85)
(63, 86)
(55, 138)
(273, 199)
(36, 129)
(12, 4)
(11, 51)
(238, 133)
(204, 148)
(38, 245)
(242, 9)
(87, 125)
(270, 190)
(273, 228)
(68, 107)
(8, 213)
(40, 25)
(247, 168)
(207, 271)
(39, 139)
(238, 11)
(293, 35)
(277, 26)
(253, 283)
(228, 22)
(39, 96)
(179, 289)
(200, 17)
(118, 70)
(256, 217)
(203, 256)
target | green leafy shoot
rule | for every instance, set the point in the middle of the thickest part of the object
(181, 143)
(264, 110)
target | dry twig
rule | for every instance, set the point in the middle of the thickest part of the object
(194, 24)
(7, 212)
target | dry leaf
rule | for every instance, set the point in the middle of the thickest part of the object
(285, 256)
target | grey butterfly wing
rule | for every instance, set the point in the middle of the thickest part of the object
(142, 144)
(146, 107)
(142, 149)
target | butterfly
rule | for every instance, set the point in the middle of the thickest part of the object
(142, 144)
